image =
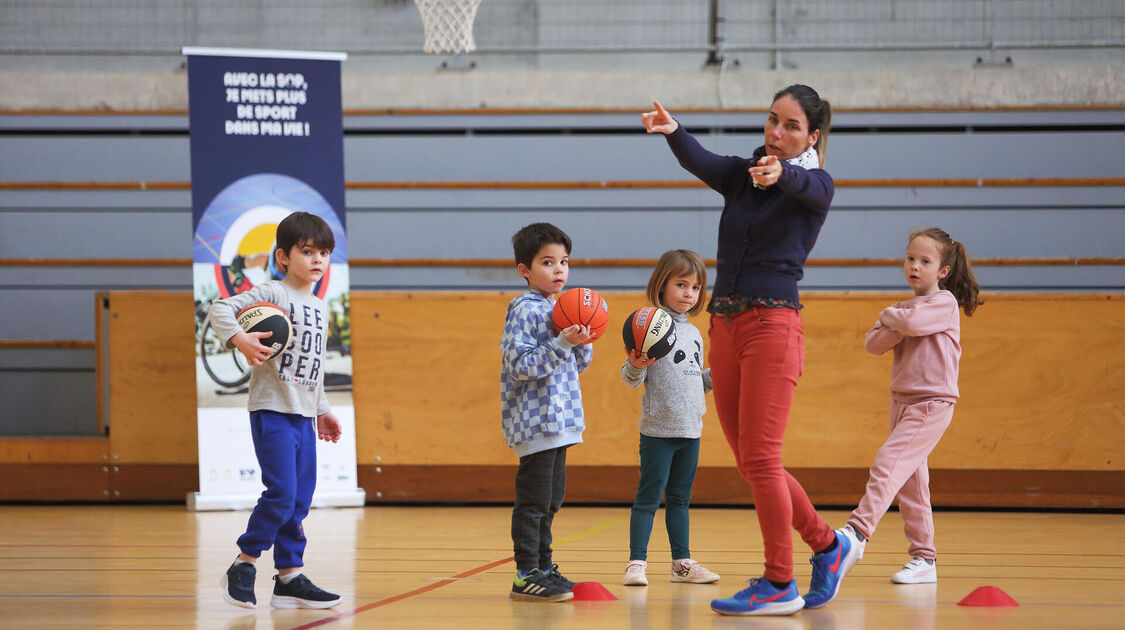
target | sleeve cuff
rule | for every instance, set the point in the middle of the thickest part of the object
(633, 372)
(563, 342)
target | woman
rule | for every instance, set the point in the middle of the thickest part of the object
(774, 206)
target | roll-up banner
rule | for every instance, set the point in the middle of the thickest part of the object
(266, 140)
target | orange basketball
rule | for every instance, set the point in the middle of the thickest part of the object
(581, 306)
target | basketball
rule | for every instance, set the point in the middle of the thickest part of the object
(650, 330)
(267, 317)
(581, 306)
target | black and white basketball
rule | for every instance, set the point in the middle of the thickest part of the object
(650, 330)
(267, 317)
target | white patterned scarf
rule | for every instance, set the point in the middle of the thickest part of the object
(807, 160)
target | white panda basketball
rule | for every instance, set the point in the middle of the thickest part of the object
(650, 330)
(267, 317)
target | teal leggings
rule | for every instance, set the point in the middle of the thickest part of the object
(668, 469)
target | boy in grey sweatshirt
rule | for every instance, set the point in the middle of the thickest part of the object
(288, 411)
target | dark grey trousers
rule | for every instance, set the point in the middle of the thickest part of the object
(540, 486)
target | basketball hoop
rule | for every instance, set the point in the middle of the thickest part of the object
(448, 25)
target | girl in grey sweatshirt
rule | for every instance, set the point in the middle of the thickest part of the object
(671, 421)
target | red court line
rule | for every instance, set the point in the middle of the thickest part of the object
(402, 596)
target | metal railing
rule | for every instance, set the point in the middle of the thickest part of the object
(153, 27)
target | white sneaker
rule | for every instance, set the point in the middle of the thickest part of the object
(635, 573)
(918, 571)
(692, 572)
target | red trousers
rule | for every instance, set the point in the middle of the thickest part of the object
(756, 357)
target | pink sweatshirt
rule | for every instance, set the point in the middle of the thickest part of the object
(925, 333)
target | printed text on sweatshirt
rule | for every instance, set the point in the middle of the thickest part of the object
(293, 381)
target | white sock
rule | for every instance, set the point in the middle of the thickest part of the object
(285, 579)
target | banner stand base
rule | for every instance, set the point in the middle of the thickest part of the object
(198, 502)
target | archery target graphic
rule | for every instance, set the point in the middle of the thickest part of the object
(236, 233)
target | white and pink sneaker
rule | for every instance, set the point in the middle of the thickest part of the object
(918, 571)
(635, 573)
(690, 571)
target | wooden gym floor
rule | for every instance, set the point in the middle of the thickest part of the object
(412, 567)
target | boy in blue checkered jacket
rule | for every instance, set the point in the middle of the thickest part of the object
(540, 406)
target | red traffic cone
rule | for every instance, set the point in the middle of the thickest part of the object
(591, 592)
(988, 596)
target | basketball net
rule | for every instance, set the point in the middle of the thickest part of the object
(448, 25)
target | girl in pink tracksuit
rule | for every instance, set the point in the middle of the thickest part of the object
(925, 334)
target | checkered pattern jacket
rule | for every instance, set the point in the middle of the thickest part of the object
(540, 397)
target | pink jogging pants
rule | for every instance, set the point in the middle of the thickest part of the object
(900, 468)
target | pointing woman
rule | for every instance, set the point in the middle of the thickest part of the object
(774, 204)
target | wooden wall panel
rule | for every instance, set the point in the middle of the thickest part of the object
(1046, 386)
(102, 482)
(1042, 408)
(151, 378)
(54, 482)
(1039, 391)
(1041, 385)
(723, 486)
(53, 450)
(426, 377)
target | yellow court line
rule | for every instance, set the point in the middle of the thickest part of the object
(596, 528)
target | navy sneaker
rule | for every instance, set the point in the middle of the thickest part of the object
(554, 574)
(538, 587)
(238, 585)
(300, 592)
(830, 568)
(761, 598)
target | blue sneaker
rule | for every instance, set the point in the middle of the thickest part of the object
(300, 592)
(761, 598)
(238, 585)
(830, 568)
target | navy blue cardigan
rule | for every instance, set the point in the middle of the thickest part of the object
(765, 236)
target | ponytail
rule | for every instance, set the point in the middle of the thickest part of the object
(960, 280)
(818, 111)
(821, 145)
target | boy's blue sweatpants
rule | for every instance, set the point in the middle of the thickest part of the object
(286, 447)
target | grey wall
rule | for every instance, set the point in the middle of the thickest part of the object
(125, 55)
(761, 30)
(52, 391)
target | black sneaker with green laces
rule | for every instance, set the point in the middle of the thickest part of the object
(539, 587)
(300, 592)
